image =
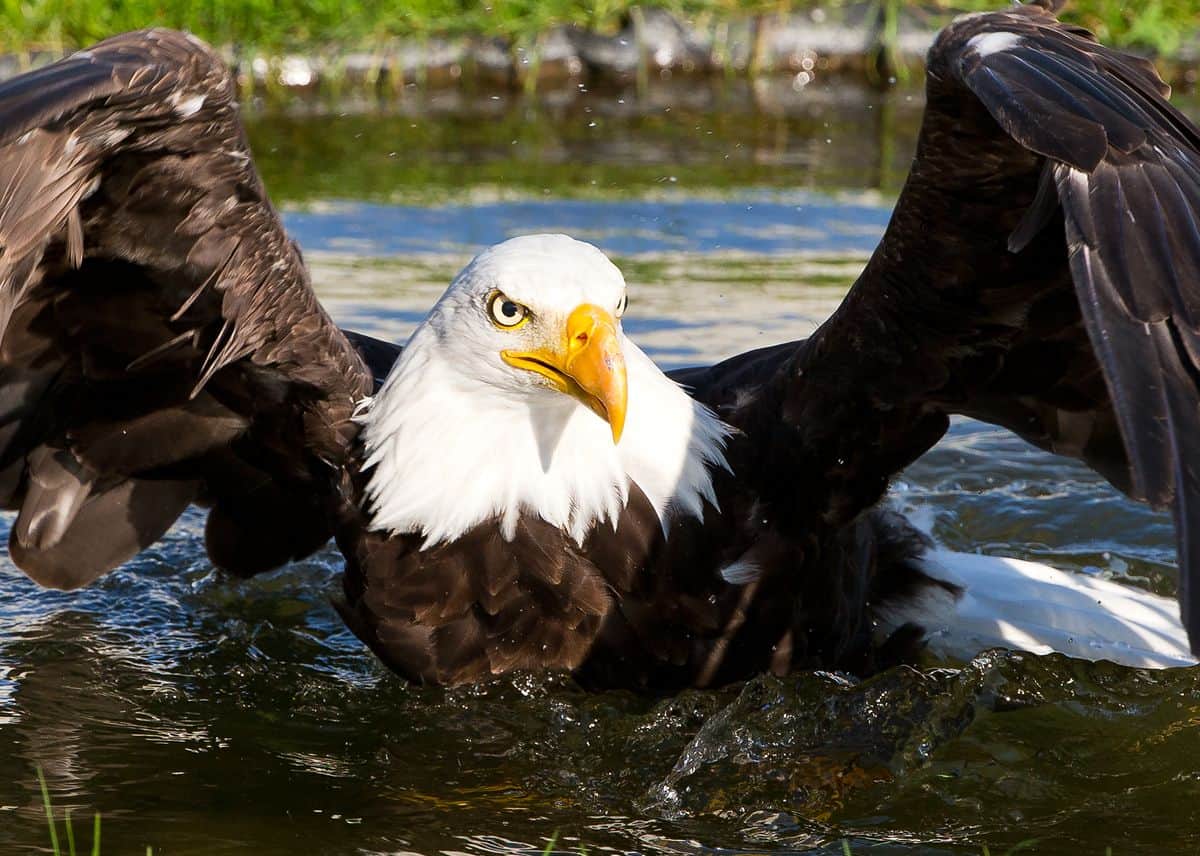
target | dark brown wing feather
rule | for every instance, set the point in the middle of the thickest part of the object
(378, 355)
(159, 339)
(1126, 166)
(1041, 271)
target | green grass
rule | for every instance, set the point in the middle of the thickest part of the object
(1160, 26)
(279, 25)
(548, 850)
(67, 825)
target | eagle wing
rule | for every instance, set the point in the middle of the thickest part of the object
(1041, 271)
(160, 342)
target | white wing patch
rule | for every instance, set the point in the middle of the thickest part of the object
(986, 44)
(1026, 606)
(185, 107)
(741, 572)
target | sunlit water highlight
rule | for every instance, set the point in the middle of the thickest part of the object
(205, 715)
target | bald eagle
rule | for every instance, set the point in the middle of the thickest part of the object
(520, 487)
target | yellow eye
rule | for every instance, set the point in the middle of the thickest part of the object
(505, 312)
(622, 305)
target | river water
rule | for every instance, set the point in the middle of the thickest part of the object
(203, 715)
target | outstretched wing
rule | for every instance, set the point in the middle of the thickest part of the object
(1041, 271)
(160, 342)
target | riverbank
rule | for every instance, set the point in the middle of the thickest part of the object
(328, 44)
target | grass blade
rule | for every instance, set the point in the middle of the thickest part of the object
(49, 812)
(70, 832)
(96, 836)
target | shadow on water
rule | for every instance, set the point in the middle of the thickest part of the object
(205, 715)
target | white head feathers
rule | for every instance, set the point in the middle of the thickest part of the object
(457, 436)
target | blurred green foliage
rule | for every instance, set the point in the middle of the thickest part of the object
(1161, 26)
(274, 25)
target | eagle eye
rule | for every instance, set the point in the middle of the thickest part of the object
(505, 312)
(622, 305)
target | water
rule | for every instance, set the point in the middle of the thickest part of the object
(205, 715)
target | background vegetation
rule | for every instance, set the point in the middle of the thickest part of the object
(280, 25)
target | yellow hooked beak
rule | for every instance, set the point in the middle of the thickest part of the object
(587, 365)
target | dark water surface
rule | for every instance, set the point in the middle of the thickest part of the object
(205, 715)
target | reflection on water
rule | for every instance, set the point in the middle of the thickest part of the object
(205, 715)
(430, 148)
